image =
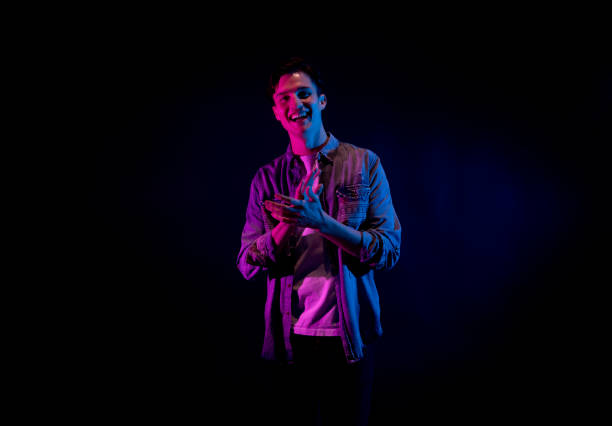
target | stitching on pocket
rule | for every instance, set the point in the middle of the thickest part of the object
(354, 192)
(353, 203)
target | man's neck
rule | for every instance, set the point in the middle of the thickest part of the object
(308, 144)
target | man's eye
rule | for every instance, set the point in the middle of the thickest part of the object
(303, 95)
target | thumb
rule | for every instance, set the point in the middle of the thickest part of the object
(320, 190)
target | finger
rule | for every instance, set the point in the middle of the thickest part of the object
(278, 200)
(272, 206)
(313, 174)
(277, 197)
(293, 201)
(285, 213)
(311, 194)
(286, 219)
(299, 188)
(314, 170)
(313, 177)
(275, 207)
(319, 190)
(302, 185)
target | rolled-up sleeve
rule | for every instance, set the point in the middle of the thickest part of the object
(257, 249)
(381, 245)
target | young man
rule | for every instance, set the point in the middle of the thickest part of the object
(319, 221)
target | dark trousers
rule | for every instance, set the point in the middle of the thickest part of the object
(321, 387)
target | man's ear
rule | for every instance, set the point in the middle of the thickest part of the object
(323, 101)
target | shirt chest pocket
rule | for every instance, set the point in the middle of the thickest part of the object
(353, 203)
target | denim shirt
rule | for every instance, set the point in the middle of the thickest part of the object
(356, 193)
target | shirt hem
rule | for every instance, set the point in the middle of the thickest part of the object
(336, 332)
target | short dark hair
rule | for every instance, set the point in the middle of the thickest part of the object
(289, 66)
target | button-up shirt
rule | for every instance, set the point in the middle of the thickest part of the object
(356, 193)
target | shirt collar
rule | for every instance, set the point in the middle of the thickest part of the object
(327, 152)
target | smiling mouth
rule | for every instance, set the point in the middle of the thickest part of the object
(299, 117)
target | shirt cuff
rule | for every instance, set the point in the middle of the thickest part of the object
(266, 247)
(369, 248)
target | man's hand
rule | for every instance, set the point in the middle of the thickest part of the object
(308, 181)
(304, 209)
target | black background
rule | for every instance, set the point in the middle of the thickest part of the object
(487, 140)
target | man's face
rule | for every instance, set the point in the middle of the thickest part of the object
(297, 105)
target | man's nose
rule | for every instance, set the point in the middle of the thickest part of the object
(296, 101)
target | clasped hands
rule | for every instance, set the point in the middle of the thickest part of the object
(304, 208)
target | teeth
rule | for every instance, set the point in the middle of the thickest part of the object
(300, 115)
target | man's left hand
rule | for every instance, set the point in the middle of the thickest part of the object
(306, 212)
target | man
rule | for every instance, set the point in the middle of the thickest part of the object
(319, 221)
